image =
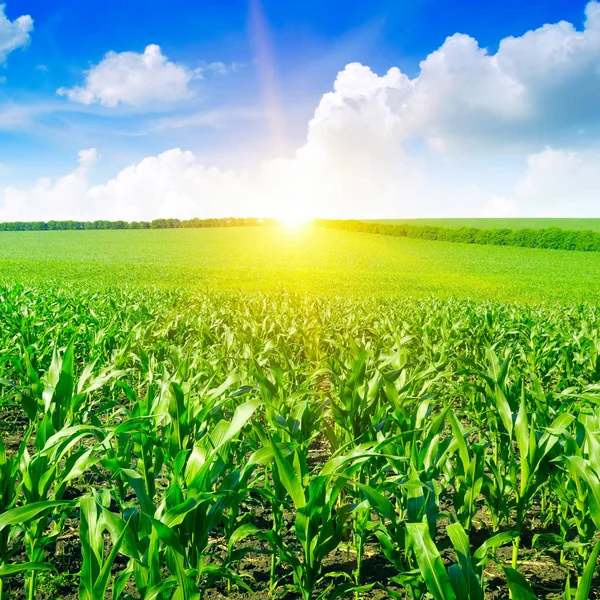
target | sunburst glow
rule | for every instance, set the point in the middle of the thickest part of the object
(294, 216)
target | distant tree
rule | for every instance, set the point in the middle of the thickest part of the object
(550, 238)
(155, 224)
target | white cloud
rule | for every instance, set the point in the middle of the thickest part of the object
(176, 184)
(544, 83)
(64, 198)
(167, 185)
(133, 79)
(87, 158)
(13, 34)
(500, 207)
(171, 184)
(560, 183)
(221, 68)
(353, 161)
(359, 158)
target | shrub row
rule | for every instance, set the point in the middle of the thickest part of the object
(551, 237)
(156, 224)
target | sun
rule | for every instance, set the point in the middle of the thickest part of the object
(294, 218)
(293, 221)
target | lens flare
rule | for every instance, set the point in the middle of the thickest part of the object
(265, 64)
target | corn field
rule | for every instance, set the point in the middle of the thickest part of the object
(162, 445)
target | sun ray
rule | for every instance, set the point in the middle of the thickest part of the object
(260, 38)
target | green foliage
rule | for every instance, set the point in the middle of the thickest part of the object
(155, 224)
(177, 434)
(513, 223)
(550, 238)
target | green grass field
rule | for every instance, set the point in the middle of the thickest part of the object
(573, 224)
(223, 442)
(310, 260)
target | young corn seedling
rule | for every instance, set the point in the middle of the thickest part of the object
(55, 395)
(320, 521)
(96, 570)
(463, 580)
(30, 521)
(177, 532)
(583, 489)
(523, 450)
(468, 474)
(397, 501)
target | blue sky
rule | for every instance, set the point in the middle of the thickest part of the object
(241, 80)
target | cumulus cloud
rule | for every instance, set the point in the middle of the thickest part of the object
(500, 207)
(133, 79)
(13, 34)
(560, 183)
(353, 161)
(541, 85)
(359, 158)
(174, 183)
(46, 199)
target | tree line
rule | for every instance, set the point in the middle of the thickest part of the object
(550, 237)
(155, 224)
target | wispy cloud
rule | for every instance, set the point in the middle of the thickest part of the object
(216, 118)
(221, 68)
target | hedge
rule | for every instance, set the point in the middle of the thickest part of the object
(551, 237)
(156, 224)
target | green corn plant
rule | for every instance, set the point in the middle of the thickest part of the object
(356, 409)
(463, 580)
(536, 451)
(46, 476)
(30, 520)
(362, 526)
(391, 534)
(273, 490)
(468, 474)
(396, 501)
(291, 419)
(205, 492)
(522, 449)
(417, 440)
(139, 439)
(9, 491)
(582, 490)
(96, 569)
(56, 395)
(320, 521)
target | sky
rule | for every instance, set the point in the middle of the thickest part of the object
(382, 109)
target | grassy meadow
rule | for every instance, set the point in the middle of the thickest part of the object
(306, 260)
(411, 419)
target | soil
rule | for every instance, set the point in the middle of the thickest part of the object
(542, 570)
